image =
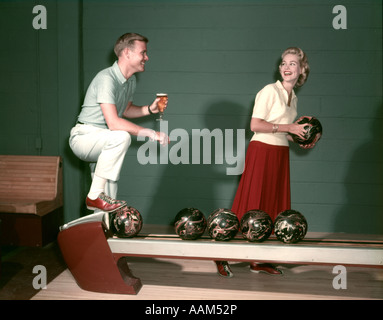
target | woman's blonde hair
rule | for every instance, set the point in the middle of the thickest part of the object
(304, 64)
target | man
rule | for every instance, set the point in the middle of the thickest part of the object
(102, 134)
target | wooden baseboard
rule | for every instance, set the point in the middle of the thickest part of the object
(29, 229)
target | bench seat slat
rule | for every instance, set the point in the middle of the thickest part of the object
(40, 207)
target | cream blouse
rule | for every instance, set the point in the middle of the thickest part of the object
(271, 106)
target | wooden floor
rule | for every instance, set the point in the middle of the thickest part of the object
(16, 271)
(177, 279)
(170, 279)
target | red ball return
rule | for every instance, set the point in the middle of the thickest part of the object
(99, 261)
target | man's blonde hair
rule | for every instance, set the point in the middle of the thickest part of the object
(127, 41)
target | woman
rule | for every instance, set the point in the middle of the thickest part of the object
(265, 182)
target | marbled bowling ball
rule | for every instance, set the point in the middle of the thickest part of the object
(290, 226)
(190, 224)
(222, 224)
(313, 128)
(126, 222)
(256, 226)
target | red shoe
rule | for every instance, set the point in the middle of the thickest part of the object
(223, 269)
(265, 268)
(104, 203)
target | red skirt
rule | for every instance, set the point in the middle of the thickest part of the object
(265, 182)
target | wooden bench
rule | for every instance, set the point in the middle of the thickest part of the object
(31, 199)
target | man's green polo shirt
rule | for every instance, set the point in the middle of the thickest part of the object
(109, 86)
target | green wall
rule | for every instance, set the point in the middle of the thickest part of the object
(211, 57)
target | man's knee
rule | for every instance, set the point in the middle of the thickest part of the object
(121, 138)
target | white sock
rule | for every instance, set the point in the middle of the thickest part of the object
(98, 186)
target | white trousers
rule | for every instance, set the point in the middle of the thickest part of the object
(104, 149)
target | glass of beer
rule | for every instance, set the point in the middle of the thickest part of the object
(162, 104)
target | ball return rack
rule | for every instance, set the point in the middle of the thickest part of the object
(99, 261)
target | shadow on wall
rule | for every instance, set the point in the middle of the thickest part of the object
(203, 186)
(363, 183)
(76, 184)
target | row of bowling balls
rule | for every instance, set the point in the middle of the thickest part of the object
(290, 226)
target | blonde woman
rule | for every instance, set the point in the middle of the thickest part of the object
(265, 182)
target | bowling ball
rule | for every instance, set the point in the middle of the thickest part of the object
(222, 224)
(126, 222)
(290, 226)
(256, 226)
(313, 128)
(190, 224)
